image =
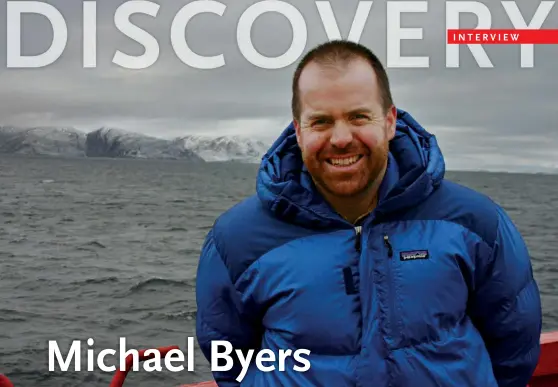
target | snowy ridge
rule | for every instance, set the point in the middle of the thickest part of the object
(118, 143)
(48, 141)
(225, 148)
(110, 142)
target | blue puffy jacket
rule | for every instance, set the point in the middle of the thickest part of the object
(434, 288)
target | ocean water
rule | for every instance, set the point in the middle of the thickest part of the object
(105, 249)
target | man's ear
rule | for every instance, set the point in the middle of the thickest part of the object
(391, 122)
(296, 125)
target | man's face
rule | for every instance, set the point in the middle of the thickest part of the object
(343, 132)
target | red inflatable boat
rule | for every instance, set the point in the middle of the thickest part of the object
(546, 374)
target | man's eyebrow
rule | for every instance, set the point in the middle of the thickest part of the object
(315, 116)
(360, 110)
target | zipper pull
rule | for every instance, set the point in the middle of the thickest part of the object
(358, 231)
(388, 245)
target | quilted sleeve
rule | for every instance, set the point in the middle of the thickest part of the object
(507, 306)
(222, 314)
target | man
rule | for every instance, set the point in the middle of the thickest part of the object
(356, 249)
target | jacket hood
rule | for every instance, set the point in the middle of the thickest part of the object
(416, 167)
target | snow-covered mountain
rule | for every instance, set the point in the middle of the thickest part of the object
(47, 141)
(225, 148)
(109, 142)
(117, 143)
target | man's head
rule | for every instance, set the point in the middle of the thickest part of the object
(344, 117)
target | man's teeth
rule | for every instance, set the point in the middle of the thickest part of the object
(344, 161)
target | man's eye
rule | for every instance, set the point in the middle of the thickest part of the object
(319, 122)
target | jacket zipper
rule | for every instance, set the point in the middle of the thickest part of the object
(391, 295)
(388, 245)
(358, 241)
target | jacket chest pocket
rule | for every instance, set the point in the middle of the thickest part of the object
(424, 292)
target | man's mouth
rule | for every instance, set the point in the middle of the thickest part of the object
(344, 161)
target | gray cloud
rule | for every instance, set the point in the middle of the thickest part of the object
(484, 118)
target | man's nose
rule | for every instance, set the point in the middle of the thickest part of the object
(341, 135)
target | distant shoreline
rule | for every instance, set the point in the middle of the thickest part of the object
(549, 172)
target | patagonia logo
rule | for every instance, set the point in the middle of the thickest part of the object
(414, 254)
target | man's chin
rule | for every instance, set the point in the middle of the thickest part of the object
(345, 190)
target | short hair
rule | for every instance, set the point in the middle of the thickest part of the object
(337, 53)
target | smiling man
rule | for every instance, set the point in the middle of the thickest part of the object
(357, 249)
(344, 120)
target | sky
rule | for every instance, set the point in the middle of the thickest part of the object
(499, 118)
